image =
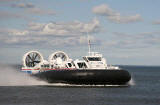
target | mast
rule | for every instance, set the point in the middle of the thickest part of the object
(89, 44)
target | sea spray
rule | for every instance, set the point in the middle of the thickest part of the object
(131, 82)
(10, 76)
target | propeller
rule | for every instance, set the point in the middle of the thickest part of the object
(58, 54)
(32, 58)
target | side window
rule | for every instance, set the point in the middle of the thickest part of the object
(69, 64)
(46, 66)
(82, 65)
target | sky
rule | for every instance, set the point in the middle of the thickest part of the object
(126, 32)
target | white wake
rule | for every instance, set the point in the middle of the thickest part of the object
(132, 82)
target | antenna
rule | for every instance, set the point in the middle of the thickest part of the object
(89, 44)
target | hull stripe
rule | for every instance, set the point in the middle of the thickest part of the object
(50, 69)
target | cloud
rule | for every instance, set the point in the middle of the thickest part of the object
(39, 11)
(70, 41)
(11, 15)
(23, 5)
(13, 32)
(50, 34)
(8, 0)
(63, 29)
(134, 41)
(103, 10)
(157, 22)
(32, 9)
(24, 11)
(112, 15)
(18, 37)
(125, 19)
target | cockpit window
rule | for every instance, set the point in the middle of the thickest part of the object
(94, 58)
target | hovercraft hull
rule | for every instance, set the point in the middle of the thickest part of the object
(96, 77)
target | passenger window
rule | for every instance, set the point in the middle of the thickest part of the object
(82, 65)
(69, 64)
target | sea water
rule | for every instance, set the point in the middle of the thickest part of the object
(17, 88)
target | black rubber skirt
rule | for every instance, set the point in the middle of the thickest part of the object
(114, 77)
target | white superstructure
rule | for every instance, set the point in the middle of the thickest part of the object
(34, 62)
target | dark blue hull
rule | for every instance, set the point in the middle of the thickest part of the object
(113, 77)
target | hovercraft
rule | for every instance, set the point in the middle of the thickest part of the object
(59, 68)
